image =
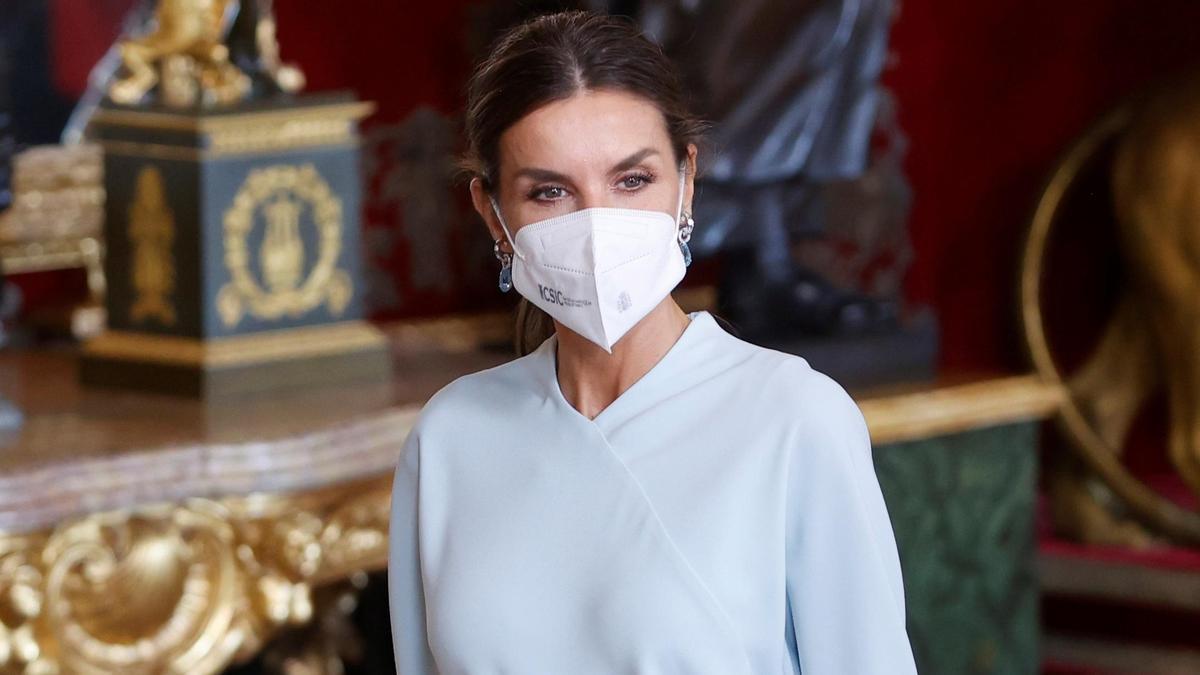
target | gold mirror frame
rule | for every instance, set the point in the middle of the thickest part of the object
(1097, 454)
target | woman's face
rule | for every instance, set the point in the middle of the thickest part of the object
(597, 148)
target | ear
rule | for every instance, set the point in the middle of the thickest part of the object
(483, 206)
(689, 188)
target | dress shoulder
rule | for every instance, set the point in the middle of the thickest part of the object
(485, 392)
(808, 394)
(821, 416)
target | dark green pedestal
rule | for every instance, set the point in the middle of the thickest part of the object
(962, 506)
(233, 255)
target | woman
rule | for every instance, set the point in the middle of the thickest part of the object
(640, 491)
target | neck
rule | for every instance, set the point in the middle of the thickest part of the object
(591, 378)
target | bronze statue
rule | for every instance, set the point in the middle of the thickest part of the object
(792, 89)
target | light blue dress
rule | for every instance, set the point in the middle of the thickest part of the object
(721, 517)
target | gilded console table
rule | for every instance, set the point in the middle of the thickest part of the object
(143, 534)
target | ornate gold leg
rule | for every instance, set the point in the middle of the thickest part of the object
(188, 588)
(328, 643)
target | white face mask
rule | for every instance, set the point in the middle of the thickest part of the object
(598, 271)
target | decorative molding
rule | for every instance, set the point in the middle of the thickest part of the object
(282, 192)
(188, 587)
(151, 231)
(239, 133)
(38, 497)
(51, 254)
(287, 343)
(943, 410)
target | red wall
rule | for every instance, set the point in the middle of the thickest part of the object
(990, 94)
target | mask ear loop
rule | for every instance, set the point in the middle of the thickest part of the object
(511, 240)
(682, 182)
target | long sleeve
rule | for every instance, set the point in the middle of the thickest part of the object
(844, 584)
(406, 595)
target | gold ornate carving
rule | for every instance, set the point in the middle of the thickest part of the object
(283, 193)
(345, 112)
(186, 44)
(329, 642)
(330, 124)
(289, 343)
(151, 233)
(294, 132)
(1154, 332)
(55, 220)
(281, 256)
(58, 194)
(185, 588)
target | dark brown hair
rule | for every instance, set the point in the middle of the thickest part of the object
(550, 58)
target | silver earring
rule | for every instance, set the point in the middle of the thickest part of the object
(685, 234)
(505, 267)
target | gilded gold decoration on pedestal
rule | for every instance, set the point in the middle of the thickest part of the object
(187, 57)
(244, 133)
(152, 234)
(282, 254)
(283, 194)
(187, 45)
(185, 588)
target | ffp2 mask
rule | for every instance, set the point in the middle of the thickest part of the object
(598, 270)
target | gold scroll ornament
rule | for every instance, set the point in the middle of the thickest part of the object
(184, 588)
(283, 194)
(151, 233)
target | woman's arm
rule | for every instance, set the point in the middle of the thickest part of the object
(844, 583)
(406, 594)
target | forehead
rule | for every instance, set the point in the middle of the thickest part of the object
(593, 128)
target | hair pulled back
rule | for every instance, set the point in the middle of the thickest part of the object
(552, 57)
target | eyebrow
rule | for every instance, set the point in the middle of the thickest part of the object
(553, 176)
(633, 160)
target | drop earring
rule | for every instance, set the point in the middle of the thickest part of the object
(505, 267)
(685, 234)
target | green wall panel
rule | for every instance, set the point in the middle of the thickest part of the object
(962, 507)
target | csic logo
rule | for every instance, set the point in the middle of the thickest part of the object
(556, 296)
(624, 302)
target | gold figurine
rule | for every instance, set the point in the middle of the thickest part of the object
(192, 55)
(1155, 175)
(1151, 341)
